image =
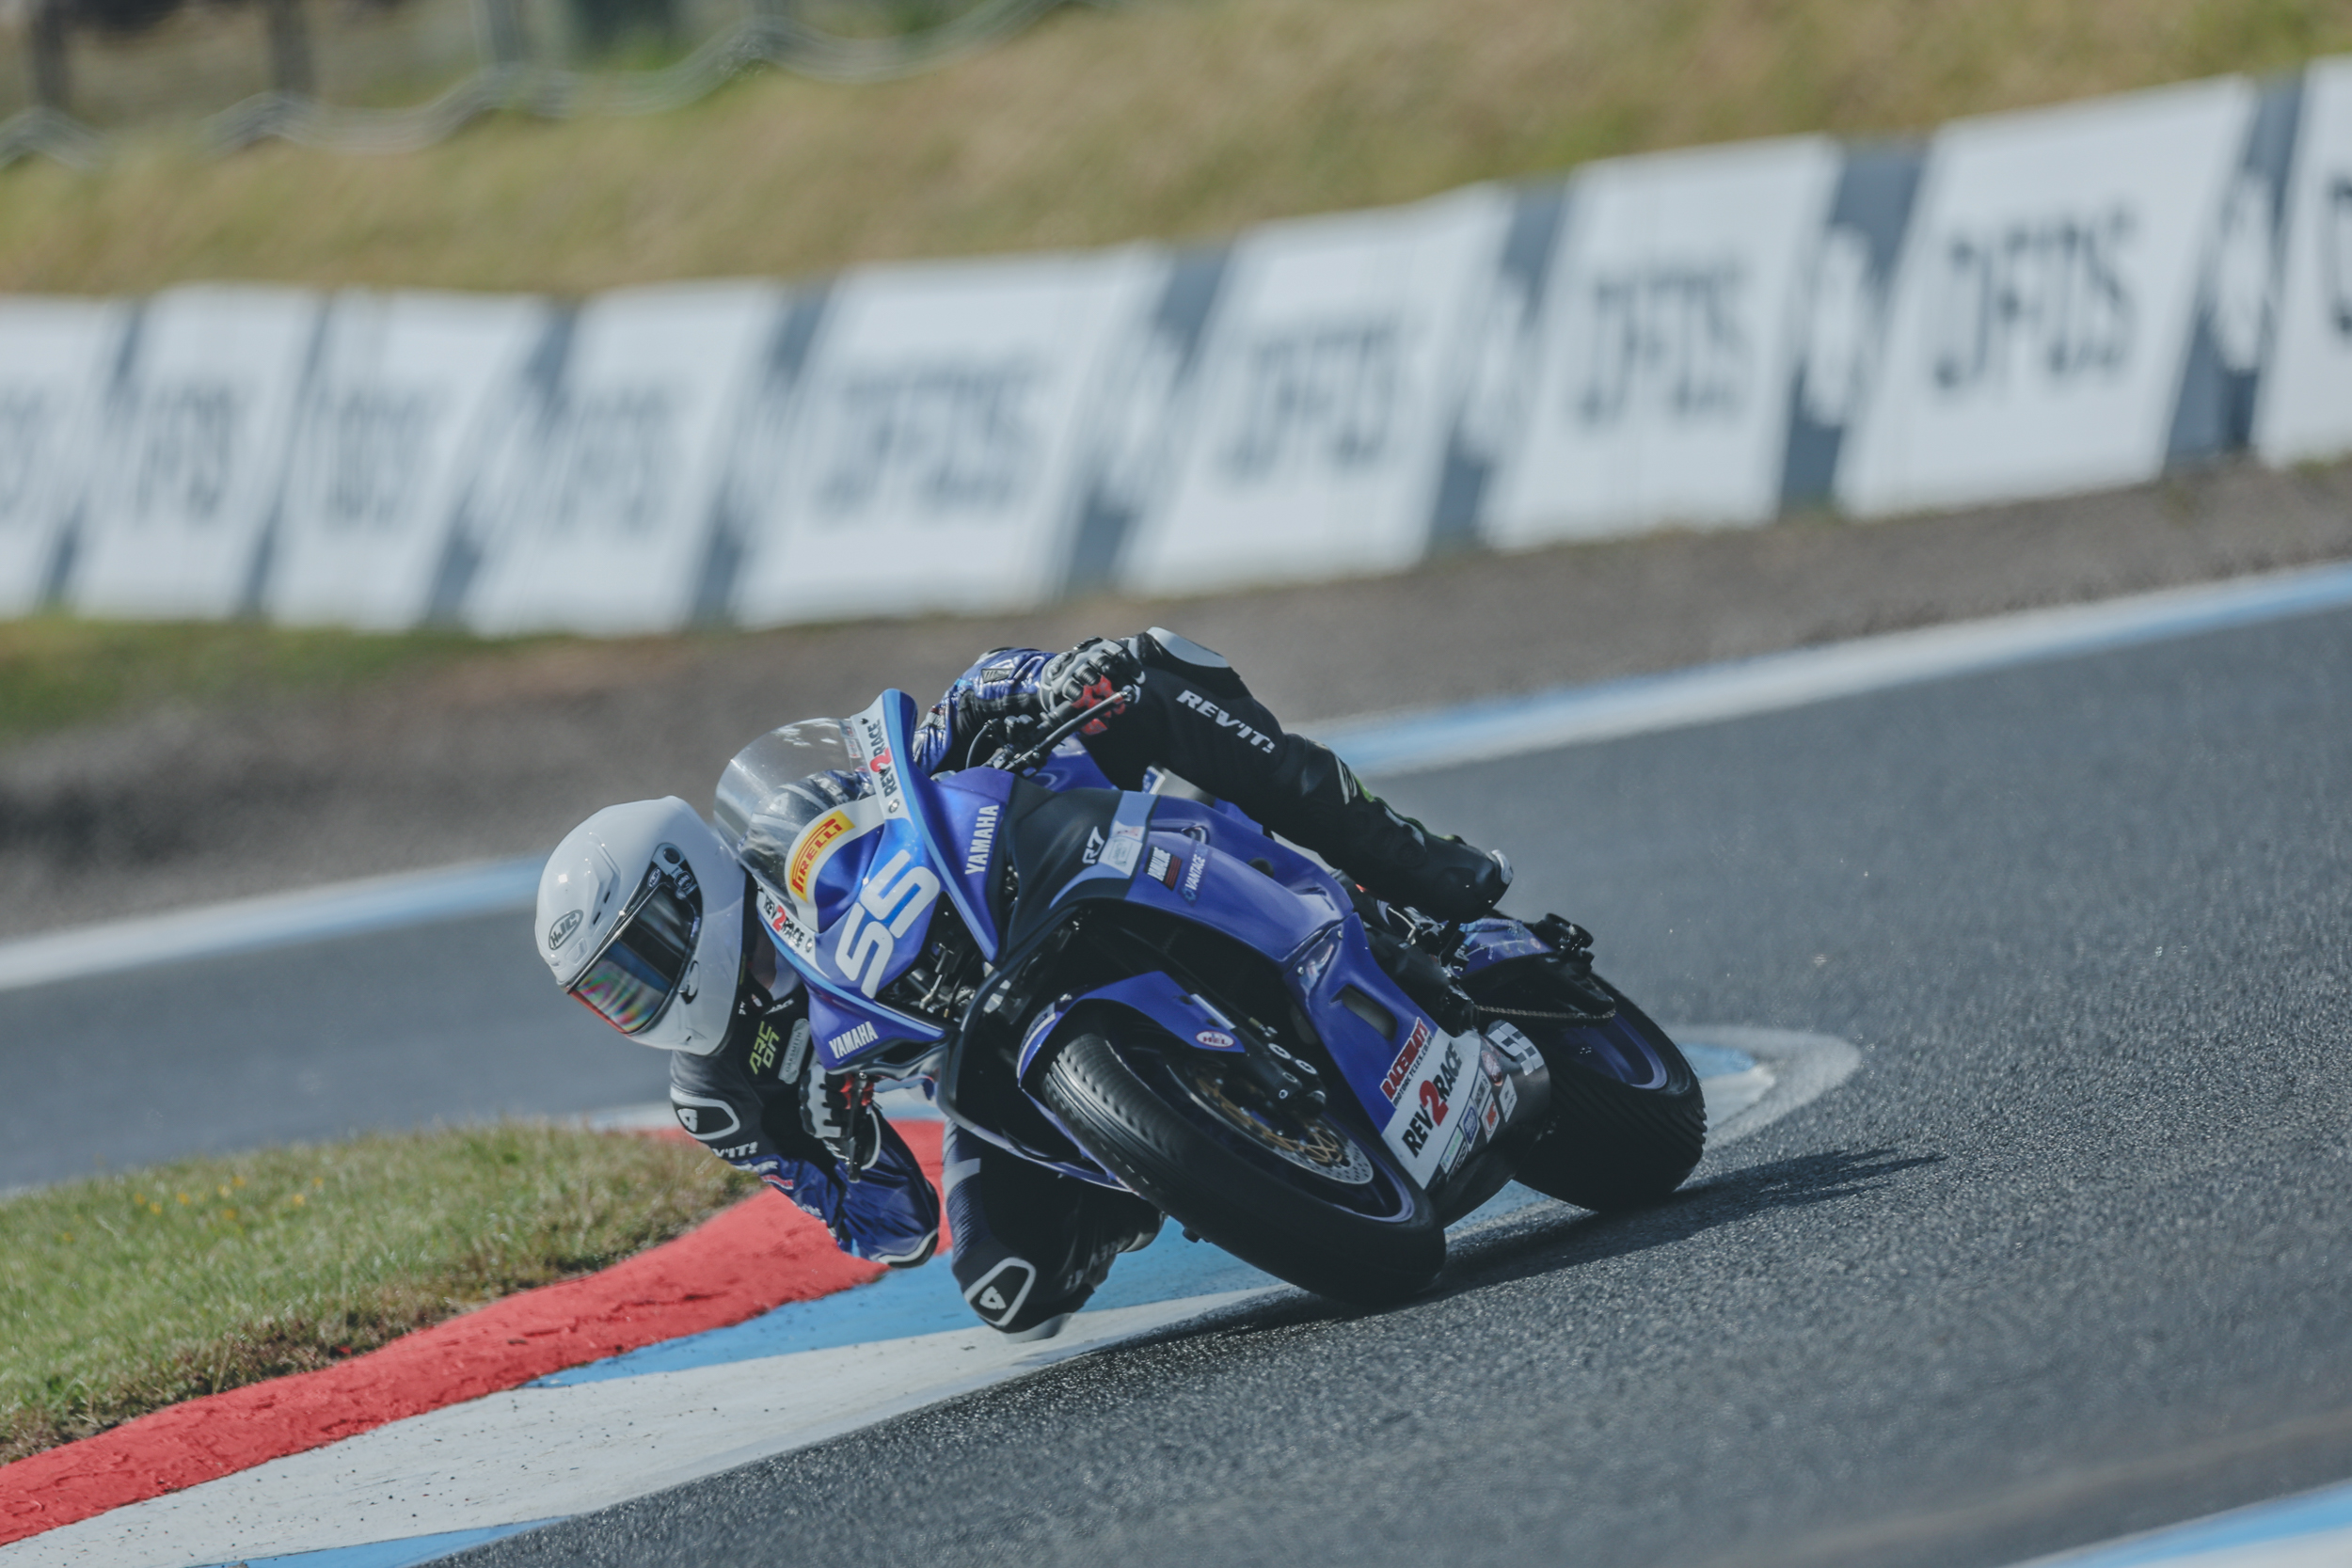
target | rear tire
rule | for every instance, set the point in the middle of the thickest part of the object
(1612, 1143)
(1366, 1234)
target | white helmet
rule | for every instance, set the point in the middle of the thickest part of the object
(640, 916)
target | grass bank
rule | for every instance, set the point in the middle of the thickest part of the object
(57, 671)
(1160, 118)
(123, 1294)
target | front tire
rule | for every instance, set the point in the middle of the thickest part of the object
(1301, 1195)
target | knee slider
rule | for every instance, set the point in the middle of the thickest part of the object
(1012, 1282)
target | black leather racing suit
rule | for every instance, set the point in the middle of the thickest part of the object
(1194, 716)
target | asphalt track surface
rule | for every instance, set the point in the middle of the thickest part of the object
(392, 1030)
(2068, 1258)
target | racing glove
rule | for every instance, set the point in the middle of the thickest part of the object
(1088, 676)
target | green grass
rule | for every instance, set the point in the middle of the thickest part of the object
(123, 1294)
(56, 672)
(1156, 118)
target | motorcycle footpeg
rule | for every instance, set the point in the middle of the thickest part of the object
(1568, 939)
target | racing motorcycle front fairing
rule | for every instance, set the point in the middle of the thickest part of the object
(854, 876)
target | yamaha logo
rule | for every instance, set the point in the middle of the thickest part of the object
(561, 930)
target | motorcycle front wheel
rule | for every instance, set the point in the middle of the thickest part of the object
(1299, 1193)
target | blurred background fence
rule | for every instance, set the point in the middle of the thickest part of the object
(2029, 304)
(392, 75)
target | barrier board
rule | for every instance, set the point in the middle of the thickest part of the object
(192, 453)
(401, 385)
(1139, 419)
(2305, 406)
(594, 505)
(2043, 302)
(2237, 290)
(2032, 304)
(56, 356)
(1503, 354)
(1667, 343)
(1848, 278)
(1334, 357)
(922, 459)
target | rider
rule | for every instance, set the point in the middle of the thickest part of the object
(643, 916)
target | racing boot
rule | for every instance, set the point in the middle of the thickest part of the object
(1326, 808)
(1028, 1245)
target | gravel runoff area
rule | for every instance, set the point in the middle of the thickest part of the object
(500, 755)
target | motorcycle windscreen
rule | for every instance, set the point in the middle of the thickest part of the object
(776, 787)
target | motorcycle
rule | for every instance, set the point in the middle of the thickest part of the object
(1145, 990)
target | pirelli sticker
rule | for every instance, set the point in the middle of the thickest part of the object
(810, 853)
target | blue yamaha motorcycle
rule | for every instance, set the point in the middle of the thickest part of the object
(1145, 990)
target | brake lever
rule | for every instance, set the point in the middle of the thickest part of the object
(1007, 730)
(1061, 722)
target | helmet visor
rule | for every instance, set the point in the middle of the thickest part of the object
(634, 977)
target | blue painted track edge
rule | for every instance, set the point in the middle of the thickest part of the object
(2308, 1513)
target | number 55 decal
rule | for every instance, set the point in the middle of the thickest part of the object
(896, 897)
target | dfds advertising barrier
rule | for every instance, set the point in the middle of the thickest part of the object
(1660, 388)
(1332, 363)
(55, 359)
(924, 457)
(2040, 319)
(1140, 417)
(401, 384)
(192, 448)
(595, 511)
(2237, 288)
(2306, 402)
(1851, 273)
(2032, 304)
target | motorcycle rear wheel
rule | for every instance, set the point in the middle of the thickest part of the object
(1305, 1197)
(1615, 1141)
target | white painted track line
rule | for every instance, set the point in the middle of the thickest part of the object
(539, 1452)
(1474, 732)
(1792, 1069)
(272, 920)
(2310, 1531)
